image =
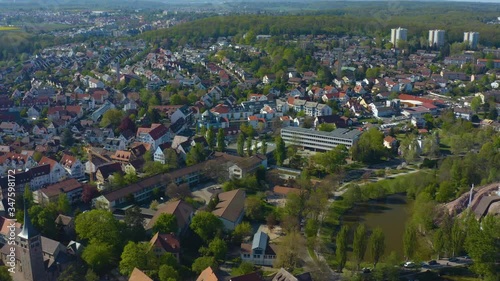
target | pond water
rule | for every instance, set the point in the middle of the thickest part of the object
(390, 214)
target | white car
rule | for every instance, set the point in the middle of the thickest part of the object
(409, 264)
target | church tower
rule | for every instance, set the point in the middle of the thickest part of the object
(30, 251)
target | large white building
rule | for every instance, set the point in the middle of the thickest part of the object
(398, 34)
(472, 38)
(319, 140)
(436, 38)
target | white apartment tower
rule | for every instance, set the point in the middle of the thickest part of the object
(471, 37)
(436, 38)
(398, 34)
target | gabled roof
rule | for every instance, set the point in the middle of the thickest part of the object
(68, 160)
(138, 275)
(207, 275)
(47, 160)
(230, 205)
(259, 240)
(109, 169)
(168, 242)
(64, 186)
(180, 209)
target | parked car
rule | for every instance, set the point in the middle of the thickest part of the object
(433, 262)
(409, 264)
(366, 270)
(453, 259)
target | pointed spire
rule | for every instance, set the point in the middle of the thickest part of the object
(29, 230)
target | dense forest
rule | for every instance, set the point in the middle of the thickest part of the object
(372, 20)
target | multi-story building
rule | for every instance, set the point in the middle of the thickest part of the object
(318, 140)
(472, 38)
(260, 252)
(436, 38)
(398, 34)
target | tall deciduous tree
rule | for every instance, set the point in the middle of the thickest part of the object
(168, 273)
(206, 225)
(359, 244)
(135, 224)
(201, 263)
(290, 250)
(249, 146)
(370, 147)
(134, 255)
(63, 205)
(341, 247)
(377, 245)
(99, 225)
(280, 152)
(410, 241)
(240, 145)
(221, 144)
(99, 256)
(165, 223)
(211, 138)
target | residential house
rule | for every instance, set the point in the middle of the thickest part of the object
(284, 275)
(390, 142)
(182, 211)
(34, 112)
(73, 166)
(464, 113)
(138, 275)
(98, 113)
(57, 171)
(112, 144)
(182, 112)
(337, 120)
(10, 128)
(162, 243)
(15, 161)
(230, 209)
(245, 166)
(159, 155)
(260, 252)
(155, 135)
(40, 176)
(67, 224)
(268, 79)
(71, 187)
(207, 275)
(104, 172)
(122, 156)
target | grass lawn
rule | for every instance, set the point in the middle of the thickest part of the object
(8, 28)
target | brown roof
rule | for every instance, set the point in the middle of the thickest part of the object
(68, 160)
(64, 220)
(207, 275)
(61, 187)
(167, 242)
(283, 190)
(138, 275)
(47, 160)
(231, 204)
(180, 209)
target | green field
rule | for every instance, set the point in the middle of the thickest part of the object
(8, 28)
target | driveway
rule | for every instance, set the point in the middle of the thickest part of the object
(206, 191)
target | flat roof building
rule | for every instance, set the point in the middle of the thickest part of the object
(319, 140)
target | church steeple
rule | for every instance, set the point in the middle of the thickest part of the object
(30, 251)
(28, 231)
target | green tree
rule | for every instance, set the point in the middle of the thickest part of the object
(98, 225)
(4, 274)
(377, 245)
(249, 146)
(112, 117)
(135, 224)
(254, 208)
(166, 223)
(171, 158)
(243, 268)
(359, 244)
(242, 230)
(202, 263)
(439, 242)
(263, 147)
(221, 143)
(333, 160)
(341, 247)
(410, 241)
(370, 147)
(446, 192)
(134, 255)
(240, 145)
(210, 138)
(291, 249)
(217, 248)
(91, 275)
(195, 155)
(458, 236)
(63, 205)
(99, 256)
(67, 138)
(325, 127)
(475, 104)
(280, 151)
(206, 225)
(167, 273)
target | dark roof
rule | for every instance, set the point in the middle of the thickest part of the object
(61, 187)
(158, 132)
(28, 230)
(231, 204)
(109, 169)
(167, 242)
